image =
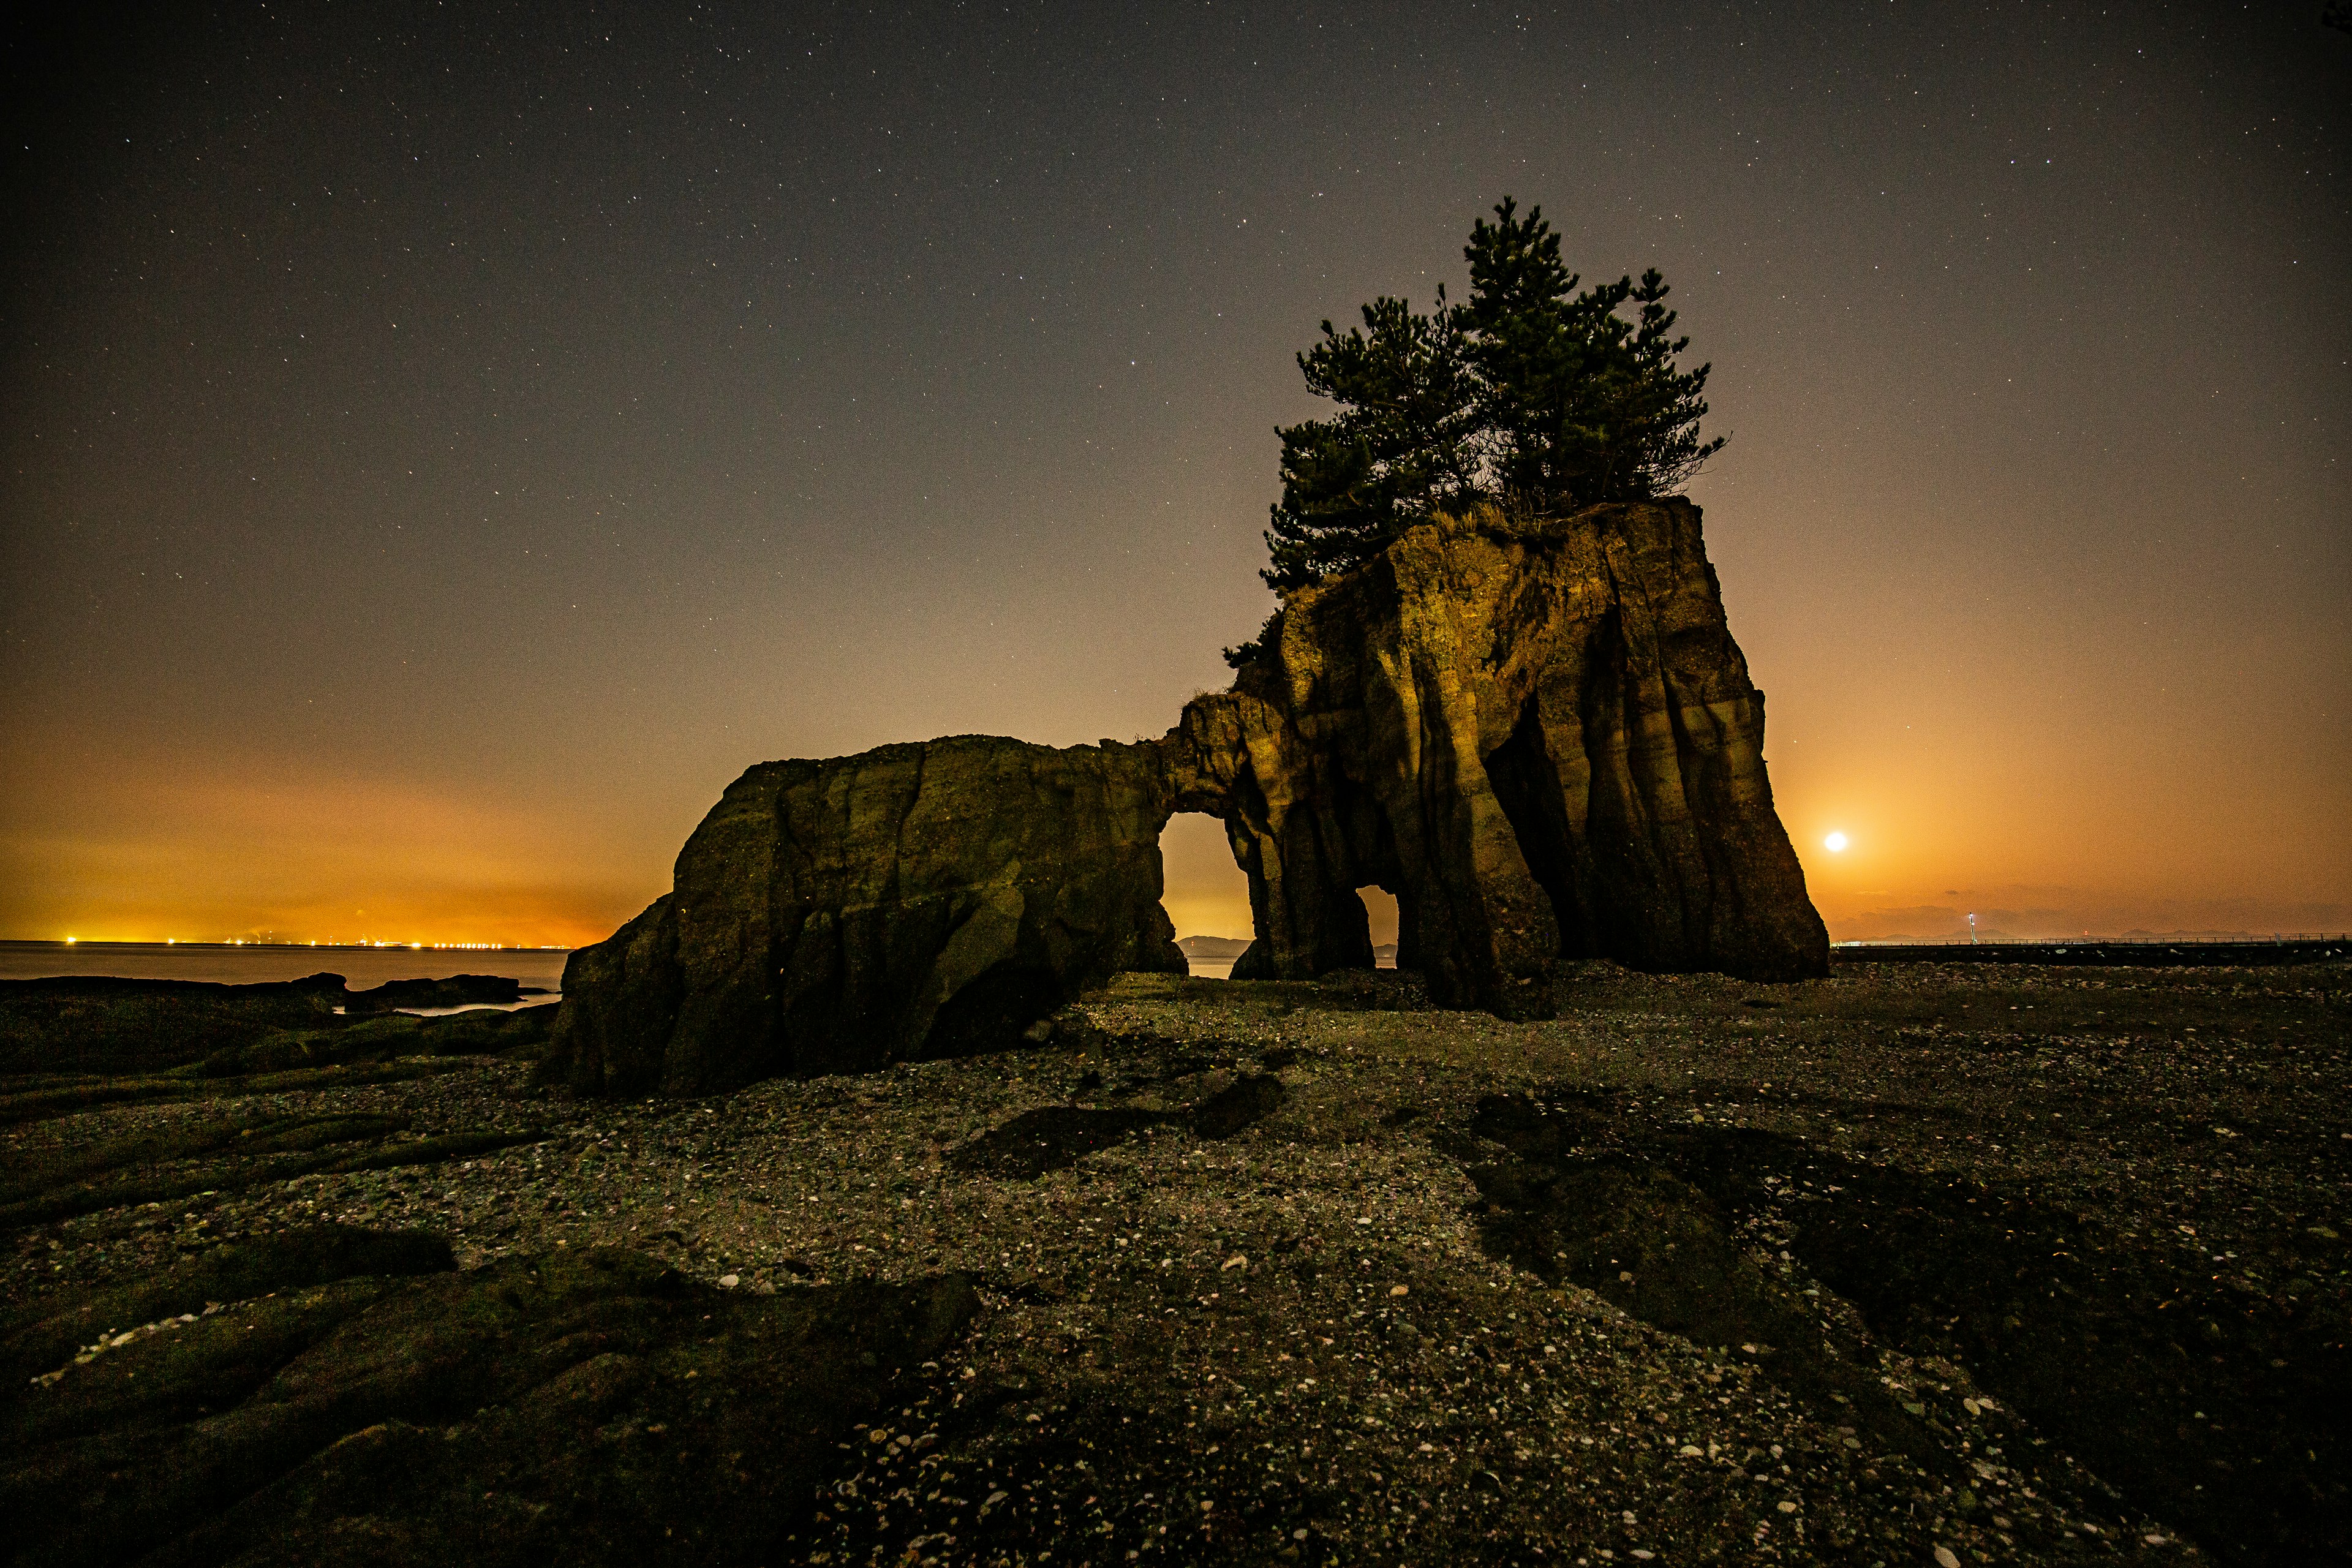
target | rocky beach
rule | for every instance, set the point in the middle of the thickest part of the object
(994, 789)
(889, 1191)
(1916, 1262)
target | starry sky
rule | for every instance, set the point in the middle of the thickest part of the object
(442, 446)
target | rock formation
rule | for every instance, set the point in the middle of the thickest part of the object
(1539, 735)
(913, 901)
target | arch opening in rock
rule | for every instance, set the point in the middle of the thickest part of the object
(1535, 732)
(1205, 892)
(1380, 914)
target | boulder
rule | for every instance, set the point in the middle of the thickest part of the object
(587, 1406)
(913, 901)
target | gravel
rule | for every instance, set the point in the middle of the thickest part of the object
(1301, 1340)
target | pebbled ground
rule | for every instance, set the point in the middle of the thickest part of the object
(1997, 1264)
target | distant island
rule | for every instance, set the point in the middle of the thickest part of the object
(1226, 949)
(1213, 949)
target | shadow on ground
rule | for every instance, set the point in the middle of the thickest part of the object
(2223, 1412)
(1055, 1137)
(590, 1407)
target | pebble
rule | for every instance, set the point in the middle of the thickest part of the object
(1311, 1296)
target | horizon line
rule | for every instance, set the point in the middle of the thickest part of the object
(361, 945)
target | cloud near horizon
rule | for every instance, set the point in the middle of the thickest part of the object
(150, 847)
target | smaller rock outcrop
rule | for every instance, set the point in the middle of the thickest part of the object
(918, 900)
(450, 991)
(367, 1404)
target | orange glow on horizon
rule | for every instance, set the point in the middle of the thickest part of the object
(264, 851)
(2036, 840)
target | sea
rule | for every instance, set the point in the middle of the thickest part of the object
(247, 963)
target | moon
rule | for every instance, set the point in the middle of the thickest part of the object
(1835, 843)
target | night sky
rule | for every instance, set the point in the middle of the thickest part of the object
(444, 445)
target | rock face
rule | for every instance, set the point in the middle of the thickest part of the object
(367, 1404)
(913, 901)
(1540, 736)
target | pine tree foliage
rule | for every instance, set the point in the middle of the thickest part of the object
(1529, 394)
(1404, 442)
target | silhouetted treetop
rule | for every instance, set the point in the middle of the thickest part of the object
(1529, 395)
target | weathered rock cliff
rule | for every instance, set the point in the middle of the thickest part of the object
(912, 900)
(1540, 736)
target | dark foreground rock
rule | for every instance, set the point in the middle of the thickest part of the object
(56, 1031)
(2161, 1376)
(2028, 1265)
(588, 1406)
(1540, 736)
(77, 1023)
(48, 1337)
(916, 901)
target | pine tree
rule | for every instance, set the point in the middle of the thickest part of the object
(1582, 406)
(1402, 444)
(1529, 394)
(1635, 435)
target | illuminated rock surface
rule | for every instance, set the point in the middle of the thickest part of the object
(913, 901)
(1540, 737)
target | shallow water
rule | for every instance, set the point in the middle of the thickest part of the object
(1222, 968)
(361, 967)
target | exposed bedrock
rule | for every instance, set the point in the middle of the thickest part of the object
(1539, 735)
(920, 899)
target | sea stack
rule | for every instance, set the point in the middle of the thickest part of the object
(1539, 734)
(922, 899)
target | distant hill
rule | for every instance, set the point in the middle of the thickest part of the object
(1225, 948)
(1213, 949)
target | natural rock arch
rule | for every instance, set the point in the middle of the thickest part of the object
(1540, 736)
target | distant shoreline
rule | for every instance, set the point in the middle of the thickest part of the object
(2127, 953)
(248, 962)
(77, 944)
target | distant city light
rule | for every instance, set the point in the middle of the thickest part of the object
(419, 945)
